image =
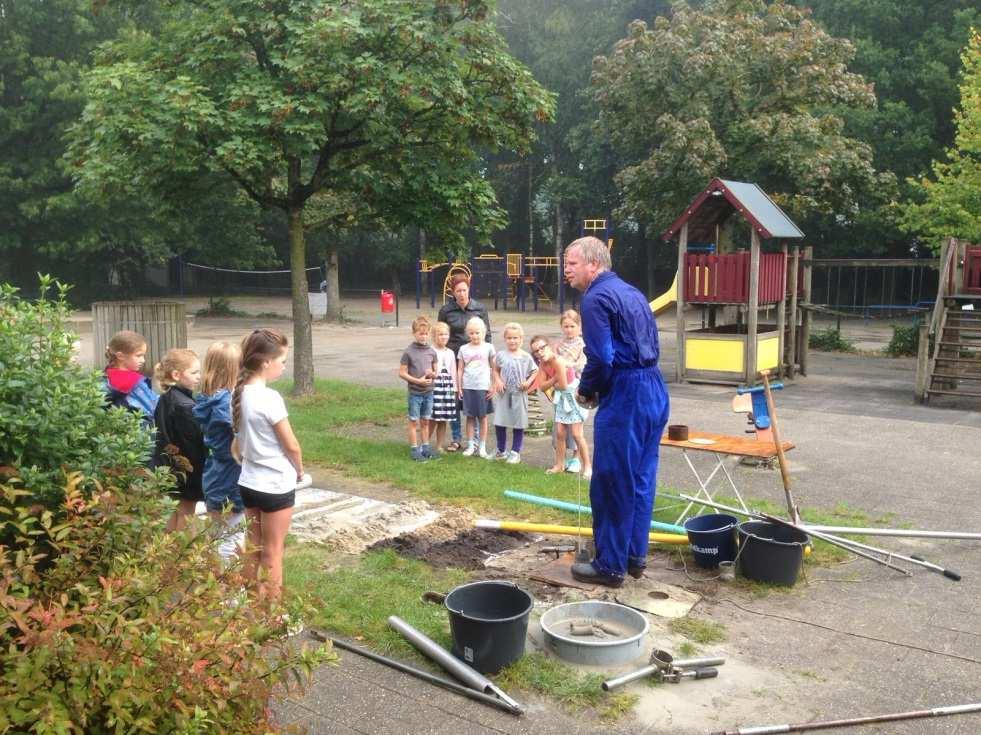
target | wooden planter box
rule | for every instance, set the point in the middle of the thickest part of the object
(718, 355)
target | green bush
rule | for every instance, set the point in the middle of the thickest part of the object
(829, 340)
(219, 306)
(52, 410)
(905, 341)
(107, 624)
(125, 629)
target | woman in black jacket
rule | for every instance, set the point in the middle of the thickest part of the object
(180, 443)
(456, 314)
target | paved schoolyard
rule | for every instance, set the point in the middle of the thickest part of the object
(852, 640)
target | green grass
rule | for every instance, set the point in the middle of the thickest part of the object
(355, 600)
(336, 403)
(697, 630)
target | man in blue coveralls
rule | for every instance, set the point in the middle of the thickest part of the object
(623, 378)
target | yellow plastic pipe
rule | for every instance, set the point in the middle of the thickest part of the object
(659, 538)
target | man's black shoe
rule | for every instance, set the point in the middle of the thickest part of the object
(636, 572)
(588, 573)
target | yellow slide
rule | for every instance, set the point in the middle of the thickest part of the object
(667, 299)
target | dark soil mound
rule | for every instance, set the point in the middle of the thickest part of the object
(469, 550)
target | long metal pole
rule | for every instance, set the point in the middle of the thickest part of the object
(847, 544)
(823, 537)
(454, 666)
(420, 674)
(904, 532)
(960, 709)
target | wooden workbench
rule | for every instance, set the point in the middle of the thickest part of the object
(742, 446)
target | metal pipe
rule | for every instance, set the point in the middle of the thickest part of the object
(816, 534)
(835, 541)
(688, 663)
(431, 649)
(575, 508)
(896, 532)
(661, 538)
(960, 709)
(420, 674)
(949, 573)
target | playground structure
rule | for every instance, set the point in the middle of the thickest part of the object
(732, 287)
(513, 278)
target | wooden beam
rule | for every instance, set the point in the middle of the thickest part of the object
(875, 262)
(782, 314)
(923, 363)
(805, 329)
(679, 373)
(753, 309)
(792, 338)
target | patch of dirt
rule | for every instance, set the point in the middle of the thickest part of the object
(452, 541)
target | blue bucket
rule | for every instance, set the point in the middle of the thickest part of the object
(712, 539)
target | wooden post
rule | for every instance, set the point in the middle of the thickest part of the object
(922, 362)
(680, 302)
(782, 314)
(752, 310)
(805, 329)
(791, 347)
(162, 323)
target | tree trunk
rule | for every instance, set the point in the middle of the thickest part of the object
(531, 207)
(333, 286)
(648, 251)
(302, 334)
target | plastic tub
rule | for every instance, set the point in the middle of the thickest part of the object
(489, 623)
(770, 552)
(712, 539)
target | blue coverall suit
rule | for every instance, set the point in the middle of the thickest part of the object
(621, 371)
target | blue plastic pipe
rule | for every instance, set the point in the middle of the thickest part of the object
(573, 508)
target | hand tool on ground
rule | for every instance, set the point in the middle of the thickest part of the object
(664, 667)
(428, 647)
(960, 709)
(418, 673)
(673, 677)
(848, 544)
(557, 550)
(792, 510)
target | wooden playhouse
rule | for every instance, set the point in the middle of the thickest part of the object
(733, 287)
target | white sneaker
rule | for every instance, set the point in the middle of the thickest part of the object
(501, 455)
(513, 458)
(484, 454)
(573, 465)
(471, 449)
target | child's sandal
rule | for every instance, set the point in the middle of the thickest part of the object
(453, 447)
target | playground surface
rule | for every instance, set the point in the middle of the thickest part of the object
(850, 640)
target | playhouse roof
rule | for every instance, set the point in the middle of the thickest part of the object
(720, 200)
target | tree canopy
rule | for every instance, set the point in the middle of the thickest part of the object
(381, 102)
(738, 89)
(951, 198)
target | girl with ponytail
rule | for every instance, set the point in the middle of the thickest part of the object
(272, 463)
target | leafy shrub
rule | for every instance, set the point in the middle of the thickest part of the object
(219, 306)
(125, 628)
(905, 341)
(829, 340)
(52, 410)
(106, 623)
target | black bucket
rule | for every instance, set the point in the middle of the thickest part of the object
(489, 623)
(712, 538)
(770, 552)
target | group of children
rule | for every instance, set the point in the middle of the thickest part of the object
(480, 380)
(231, 446)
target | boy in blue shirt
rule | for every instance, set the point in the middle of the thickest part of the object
(418, 368)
